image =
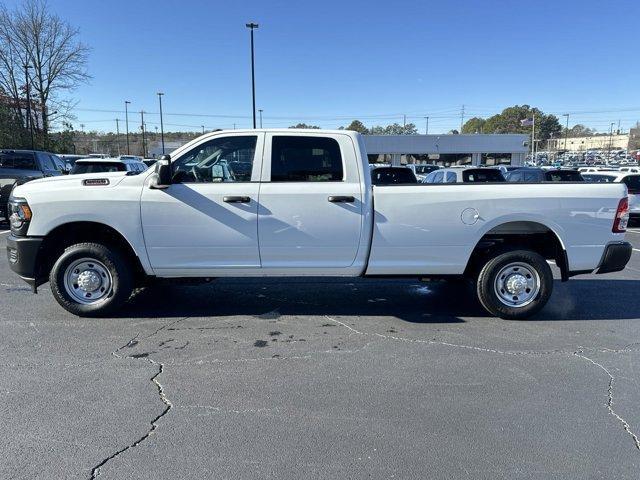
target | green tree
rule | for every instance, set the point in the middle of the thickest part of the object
(474, 125)
(509, 121)
(304, 125)
(357, 126)
(395, 129)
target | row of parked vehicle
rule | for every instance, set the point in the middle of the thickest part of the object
(20, 166)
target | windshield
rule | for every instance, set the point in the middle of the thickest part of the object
(599, 178)
(392, 176)
(424, 169)
(17, 160)
(98, 167)
(563, 176)
(482, 175)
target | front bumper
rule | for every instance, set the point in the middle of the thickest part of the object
(22, 253)
(615, 257)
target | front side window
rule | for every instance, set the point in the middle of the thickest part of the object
(222, 159)
(305, 159)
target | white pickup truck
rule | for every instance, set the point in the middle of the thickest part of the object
(300, 203)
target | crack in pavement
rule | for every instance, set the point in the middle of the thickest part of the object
(609, 403)
(578, 353)
(95, 471)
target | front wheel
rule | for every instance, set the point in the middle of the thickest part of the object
(515, 284)
(90, 279)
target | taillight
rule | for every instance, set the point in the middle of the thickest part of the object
(622, 217)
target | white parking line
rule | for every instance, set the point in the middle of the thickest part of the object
(636, 250)
(4, 231)
(636, 231)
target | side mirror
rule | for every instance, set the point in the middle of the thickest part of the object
(163, 172)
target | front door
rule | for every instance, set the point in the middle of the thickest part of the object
(207, 219)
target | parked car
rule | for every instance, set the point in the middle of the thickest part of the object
(631, 180)
(392, 176)
(629, 169)
(101, 165)
(465, 175)
(20, 166)
(536, 175)
(309, 208)
(421, 170)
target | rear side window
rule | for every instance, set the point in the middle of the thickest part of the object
(451, 177)
(488, 175)
(392, 176)
(305, 159)
(18, 160)
(514, 177)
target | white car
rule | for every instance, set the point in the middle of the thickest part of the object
(631, 180)
(465, 175)
(629, 169)
(102, 165)
(301, 203)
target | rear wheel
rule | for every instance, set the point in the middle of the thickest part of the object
(90, 279)
(515, 284)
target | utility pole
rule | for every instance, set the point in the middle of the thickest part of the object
(610, 140)
(461, 118)
(533, 137)
(142, 127)
(426, 128)
(126, 121)
(160, 94)
(260, 117)
(252, 26)
(29, 124)
(404, 121)
(202, 129)
(566, 131)
(118, 135)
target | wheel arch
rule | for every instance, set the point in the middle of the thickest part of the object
(67, 234)
(531, 234)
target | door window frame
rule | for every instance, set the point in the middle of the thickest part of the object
(256, 169)
(345, 144)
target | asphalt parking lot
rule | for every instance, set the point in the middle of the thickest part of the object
(322, 378)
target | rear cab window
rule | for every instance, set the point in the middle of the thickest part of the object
(563, 176)
(633, 184)
(98, 167)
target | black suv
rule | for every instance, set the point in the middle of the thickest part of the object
(20, 166)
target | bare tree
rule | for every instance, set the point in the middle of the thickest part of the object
(49, 47)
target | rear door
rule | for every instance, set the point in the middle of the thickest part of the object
(310, 213)
(206, 221)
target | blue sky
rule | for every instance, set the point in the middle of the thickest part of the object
(326, 62)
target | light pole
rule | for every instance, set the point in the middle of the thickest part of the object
(566, 131)
(260, 117)
(29, 124)
(202, 129)
(610, 140)
(252, 26)
(118, 135)
(426, 128)
(144, 154)
(126, 122)
(160, 94)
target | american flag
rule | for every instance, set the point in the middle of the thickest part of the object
(527, 122)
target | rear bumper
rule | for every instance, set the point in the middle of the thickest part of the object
(615, 257)
(22, 253)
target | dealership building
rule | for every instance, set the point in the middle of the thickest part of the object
(446, 150)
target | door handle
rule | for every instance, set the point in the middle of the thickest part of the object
(341, 199)
(239, 199)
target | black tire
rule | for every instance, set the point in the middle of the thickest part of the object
(531, 301)
(120, 284)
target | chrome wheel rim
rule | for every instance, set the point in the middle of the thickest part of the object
(88, 281)
(517, 284)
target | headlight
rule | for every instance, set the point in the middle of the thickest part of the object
(19, 216)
